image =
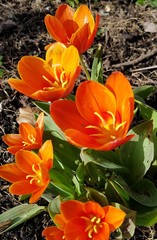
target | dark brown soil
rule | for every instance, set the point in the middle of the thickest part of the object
(128, 34)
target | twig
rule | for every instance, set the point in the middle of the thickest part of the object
(145, 68)
(137, 60)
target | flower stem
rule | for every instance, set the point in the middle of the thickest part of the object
(84, 68)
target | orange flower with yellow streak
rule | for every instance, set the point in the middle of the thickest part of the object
(75, 28)
(29, 137)
(101, 115)
(85, 221)
(30, 172)
(49, 79)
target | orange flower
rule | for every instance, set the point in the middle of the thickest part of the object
(85, 221)
(30, 172)
(75, 28)
(29, 137)
(101, 115)
(53, 233)
(49, 79)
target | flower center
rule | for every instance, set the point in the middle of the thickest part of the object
(107, 128)
(31, 140)
(94, 224)
(37, 176)
(60, 78)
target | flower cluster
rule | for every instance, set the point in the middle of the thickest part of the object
(82, 150)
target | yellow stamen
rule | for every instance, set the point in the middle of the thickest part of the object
(37, 176)
(31, 138)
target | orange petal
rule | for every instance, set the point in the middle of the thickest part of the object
(52, 25)
(72, 54)
(23, 187)
(80, 38)
(72, 118)
(31, 70)
(25, 160)
(93, 97)
(121, 87)
(52, 233)
(11, 172)
(64, 12)
(46, 153)
(114, 217)
(26, 130)
(76, 227)
(12, 139)
(39, 128)
(83, 15)
(60, 221)
(93, 208)
(103, 233)
(36, 195)
(113, 144)
(21, 86)
(54, 53)
(71, 208)
(48, 95)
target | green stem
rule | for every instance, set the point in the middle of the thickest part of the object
(84, 68)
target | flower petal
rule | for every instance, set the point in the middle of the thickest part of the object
(72, 118)
(48, 95)
(72, 54)
(46, 153)
(114, 217)
(71, 208)
(52, 25)
(54, 53)
(11, 172)
(64, 12)
(23, 187)
(52, 233)
(121, 88)
(83, 15)
(93, 97)
(93, 208)
(25, 160)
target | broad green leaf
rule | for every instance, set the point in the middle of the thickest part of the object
(43, 106)
(144, 192)
(146, 216)
(65, 153)
(149, 113)
(116, 193)
(54, 206)
(104, 159)
(19, 214)
(138, 154)
(62, 182)
(96, 73)
(97, 196)
(144, 91)
(128, 226)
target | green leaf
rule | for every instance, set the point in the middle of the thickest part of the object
(97, 196)
(116, 193)
(65, 153)
(96, 73)
(149, 113)
(144, 91)
(104, 159)
(43, 106)
(54, 206)
(62, 182)
(128, 226)
(146, 216)
(19, 214)
(143, 192)
(138, 154)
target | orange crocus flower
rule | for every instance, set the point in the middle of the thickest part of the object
(53, 233)
(49, 79)
(29, 137)
(85, 221)
(75, 28)
(100, 116)
(30, 172)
